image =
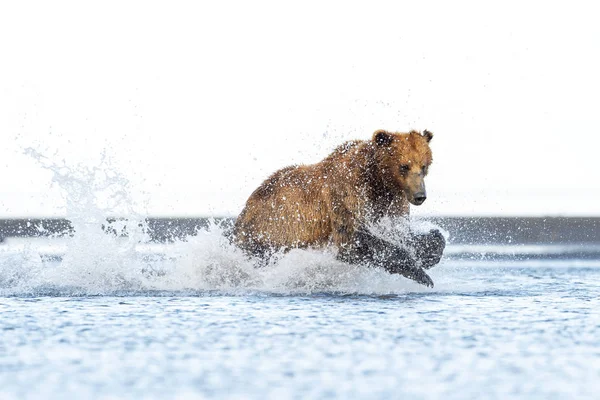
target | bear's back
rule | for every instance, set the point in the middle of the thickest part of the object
(293, 207)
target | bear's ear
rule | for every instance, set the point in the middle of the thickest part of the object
(428, 135)
(382, 138)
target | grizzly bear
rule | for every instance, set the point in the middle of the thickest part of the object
(333, 202)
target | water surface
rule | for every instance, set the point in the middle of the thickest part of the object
(487, 330)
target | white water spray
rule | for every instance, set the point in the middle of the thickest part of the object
(99, 260)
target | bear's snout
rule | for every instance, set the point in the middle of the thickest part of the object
(419, 198)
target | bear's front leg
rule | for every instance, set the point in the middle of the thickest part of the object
(428, 247)
(394, 259)
(413, 272)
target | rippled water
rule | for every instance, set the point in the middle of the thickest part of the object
(487, 330)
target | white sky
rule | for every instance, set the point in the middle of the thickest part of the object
(198, 102)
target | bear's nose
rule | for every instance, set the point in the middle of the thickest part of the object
(420, 198)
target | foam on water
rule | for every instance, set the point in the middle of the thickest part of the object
(99, 263)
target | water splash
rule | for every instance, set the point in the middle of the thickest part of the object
(96, 259)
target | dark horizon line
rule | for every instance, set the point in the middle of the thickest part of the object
(462, 230)
(223, 216)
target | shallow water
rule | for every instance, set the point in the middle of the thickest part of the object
(101, 317)
(487, 330)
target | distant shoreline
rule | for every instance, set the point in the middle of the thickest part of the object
(463, 230)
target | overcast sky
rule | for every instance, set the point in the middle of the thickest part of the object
(197, 102)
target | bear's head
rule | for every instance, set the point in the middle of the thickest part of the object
(403, 160)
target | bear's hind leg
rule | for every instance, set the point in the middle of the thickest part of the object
(260, 254)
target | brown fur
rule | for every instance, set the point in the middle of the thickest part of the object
(325, 203)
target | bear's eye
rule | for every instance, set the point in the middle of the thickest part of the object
(404, 168)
